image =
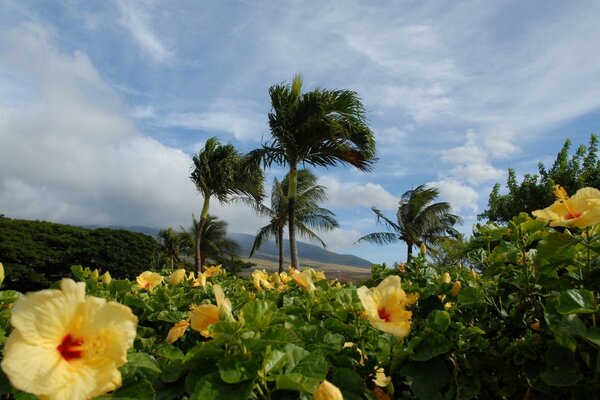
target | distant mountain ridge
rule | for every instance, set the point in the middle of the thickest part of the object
(306, 252)
(268, 251)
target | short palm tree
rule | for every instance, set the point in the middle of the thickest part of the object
(319, 128)
(309, 216)
(220, 171)
(214, 241)
(419, 221)
(170, 245)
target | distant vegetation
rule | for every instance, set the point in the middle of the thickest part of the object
(535, 191)
(36, 253)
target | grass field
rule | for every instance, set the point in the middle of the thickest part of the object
(343, 273)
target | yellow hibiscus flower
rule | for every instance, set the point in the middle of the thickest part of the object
(177, 331)
(304, 279)
(200, 281)
(385, 306)
(149, 280)
(177, 277)
(260, 278)
(67, 346)
(212, 271)
(204, 315)
(327, 391)
(1, 274)
(581, 210)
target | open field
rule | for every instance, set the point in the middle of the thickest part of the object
(343, 273)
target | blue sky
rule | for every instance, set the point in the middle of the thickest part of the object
(103, 103)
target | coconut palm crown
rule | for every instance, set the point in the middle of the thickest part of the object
(419, 221)
(319, 128)
(309, 216)
(220, 171)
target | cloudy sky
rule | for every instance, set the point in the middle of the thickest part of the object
(103, 103)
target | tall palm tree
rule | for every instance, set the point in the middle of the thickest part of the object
(419, 221)
(319, 128)
(309, 216)
(214, 241)
(221, 171)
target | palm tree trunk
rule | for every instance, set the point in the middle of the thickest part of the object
(293, 181)
(198, 255)
(409, 252)
(280, 245)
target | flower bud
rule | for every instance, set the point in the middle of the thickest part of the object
(446, 277)
(106, 278)
(1, 274)
(177, 277)
(456, 288)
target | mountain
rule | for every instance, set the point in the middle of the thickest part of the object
(307, 252)
(268, 251)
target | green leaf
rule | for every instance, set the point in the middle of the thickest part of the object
(349, 382)
(274, 361)
(470, 295)
(428, 346)
(132, 301)
(592, 335)
(140, 362)
(211, 387)
(576, 301)
(440, 320)
(561, 367)
(428, 378)
(171, 316)
(9, 296)
(303, 371)
(236, 369)
(258, 314)
(24, 396)
(133, 390)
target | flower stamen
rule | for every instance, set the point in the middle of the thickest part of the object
(384, 314)
(70, 348)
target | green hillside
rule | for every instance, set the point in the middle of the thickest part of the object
(36, 253)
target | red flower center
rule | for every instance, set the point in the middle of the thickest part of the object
(384, 314)
(70, 348)
(573, 215)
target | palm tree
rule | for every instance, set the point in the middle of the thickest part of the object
(309, 215)
(214, 241)
(419, 221)
(319, 128)
(221, 171)
(170, 245)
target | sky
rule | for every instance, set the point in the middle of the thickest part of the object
(104, 103)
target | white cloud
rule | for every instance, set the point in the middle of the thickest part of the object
(137, 21)
(471, 161)
(460, 196)
(339, 238)
(351, 194)
(223, 117)
(70, 154)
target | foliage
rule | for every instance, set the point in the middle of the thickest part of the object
(319, 128)
(535, 191)
(420, 221)
(525, 327)
(36, 253)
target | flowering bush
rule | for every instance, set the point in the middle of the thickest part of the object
(515, 319)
